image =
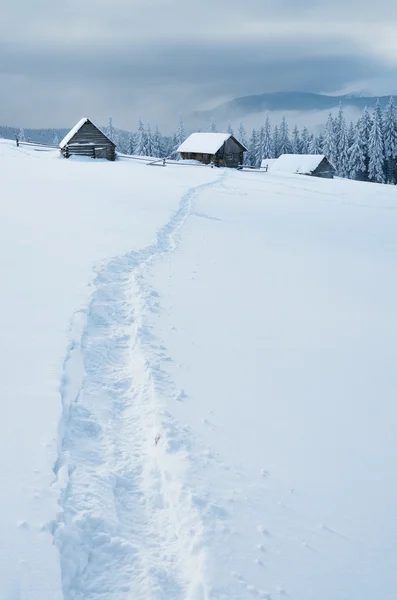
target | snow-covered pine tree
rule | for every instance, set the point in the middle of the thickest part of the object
(390, 141)
(131, 144)
(365, 126)
(296, 141)
(342, 148)
(140, 141)
(376, 167)
(149, 150)
(305, 141)
(157, 144)
(356, 156)
(276, 142)
(329, 146)
(55, 141)
(314, 147)
(110, 131)
(259, 147)
(242, 137)
(21, 135)
(284, 141)
(213, 127)
(174, 147)
(320, 143)
(252, 149)
(341, 157)
(351, 134)
(181, 132)
(267, 149)
(230, 129)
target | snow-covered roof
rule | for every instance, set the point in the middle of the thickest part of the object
(204, 143)
(73, 132)
(267, 162)
(304, 164)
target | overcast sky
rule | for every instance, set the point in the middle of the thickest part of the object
(157, 58)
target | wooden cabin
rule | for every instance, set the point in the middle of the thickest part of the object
(85, 139)
(315, 165)
(220, 149)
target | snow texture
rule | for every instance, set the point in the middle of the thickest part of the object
(268, 163)
(73, 132)
(198, 375)
(304, 164)
(204, 143)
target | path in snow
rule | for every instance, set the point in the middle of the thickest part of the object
(128, 522)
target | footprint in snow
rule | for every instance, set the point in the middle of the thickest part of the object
(181, 396)
(263, 530)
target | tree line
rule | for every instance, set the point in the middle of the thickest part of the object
(365, 150)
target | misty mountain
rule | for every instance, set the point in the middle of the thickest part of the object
(284, 101)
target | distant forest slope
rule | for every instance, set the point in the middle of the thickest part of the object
(41, 136)
(286, 101)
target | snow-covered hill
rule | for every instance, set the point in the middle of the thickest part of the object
(197, 383)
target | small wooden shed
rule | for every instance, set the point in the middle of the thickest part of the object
(316, 165)
(220, 149)
(85, 139)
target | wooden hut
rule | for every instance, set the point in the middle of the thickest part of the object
(85, 139)
(316, 165)
(220, 149)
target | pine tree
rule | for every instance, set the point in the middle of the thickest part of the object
(181, 132)
(157, 144)
(341, 157)
(140, 142)
(21, 135)
(320, 143)
(276, 142)
(356, 156)
(213, 128)
(259, 147)
(376, 149)
(329, 146)
(55, 141)
(284, 142)
(252, 149)
(149, 150)
(351, 134)
(296, 141)
(342, 145)
(230, 129)
(131, 144)
(242, 137)
(314, 146)
(174, 147)
(365, 126)
(390, 141)
(267, 149)
(305, 139)
(110, 131)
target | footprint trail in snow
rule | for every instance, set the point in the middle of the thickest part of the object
(128, 525)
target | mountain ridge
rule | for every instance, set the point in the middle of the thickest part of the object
(245, 106)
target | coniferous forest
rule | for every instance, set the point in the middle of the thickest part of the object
(365, 150)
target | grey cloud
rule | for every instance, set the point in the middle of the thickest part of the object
(156, 58)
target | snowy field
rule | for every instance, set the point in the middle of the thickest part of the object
(198, 383)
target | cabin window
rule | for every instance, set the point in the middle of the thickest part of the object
(229, 156)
